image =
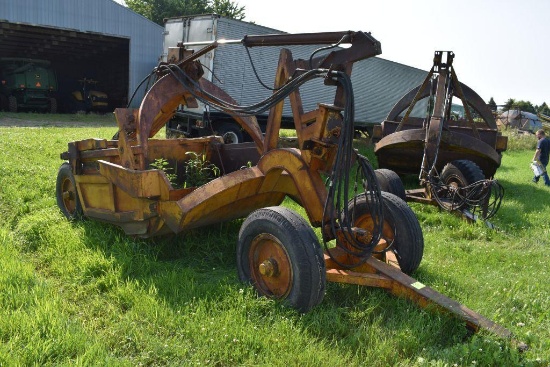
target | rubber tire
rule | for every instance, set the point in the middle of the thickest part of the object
(12, 104)
(461, 172)
(390, 181)
(295, 236)
(171, 134)
(401, 222)
(72, 208)
(231, 133)
(3, 103)
(53, 105)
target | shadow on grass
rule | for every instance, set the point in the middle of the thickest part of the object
(201, 265)
(199, 256)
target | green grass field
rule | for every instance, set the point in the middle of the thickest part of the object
(86, 294)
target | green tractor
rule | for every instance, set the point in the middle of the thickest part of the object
(27, 84)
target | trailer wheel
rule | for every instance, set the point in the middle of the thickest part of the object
(462, 172)
(458, 174)
(66, 194)
(12, 104)
(3, 103)
(53, 105)
(230, 133)
(389, 181)
(280, 255)
(400, 229)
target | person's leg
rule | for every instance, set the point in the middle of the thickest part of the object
(545, 177)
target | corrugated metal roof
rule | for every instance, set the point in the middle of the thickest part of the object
(237, 77)
(378, 83)
(102, 16)
(99, 16)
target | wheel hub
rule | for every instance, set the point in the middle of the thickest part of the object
(269, 268)
(453, 186)
(230, 138)
(68, 195)
(270, 265)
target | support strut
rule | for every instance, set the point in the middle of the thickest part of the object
(379, 274)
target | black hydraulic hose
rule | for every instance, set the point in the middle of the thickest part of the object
(483, 197)
(256, 73)
(337, 206)
(250, 110)
(146, 79)
(338, 201)
(310, 62)
(325, 48)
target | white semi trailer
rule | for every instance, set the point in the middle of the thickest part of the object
(245, 73)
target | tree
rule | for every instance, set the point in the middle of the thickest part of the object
(492, 104)
(227, 8)
(158, 10)
(544, 109)
(510, 103)
(525, 106)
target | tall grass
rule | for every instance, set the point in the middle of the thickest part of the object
(86, 294)
(520, 141)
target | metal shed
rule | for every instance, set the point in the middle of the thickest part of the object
(100, 39)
